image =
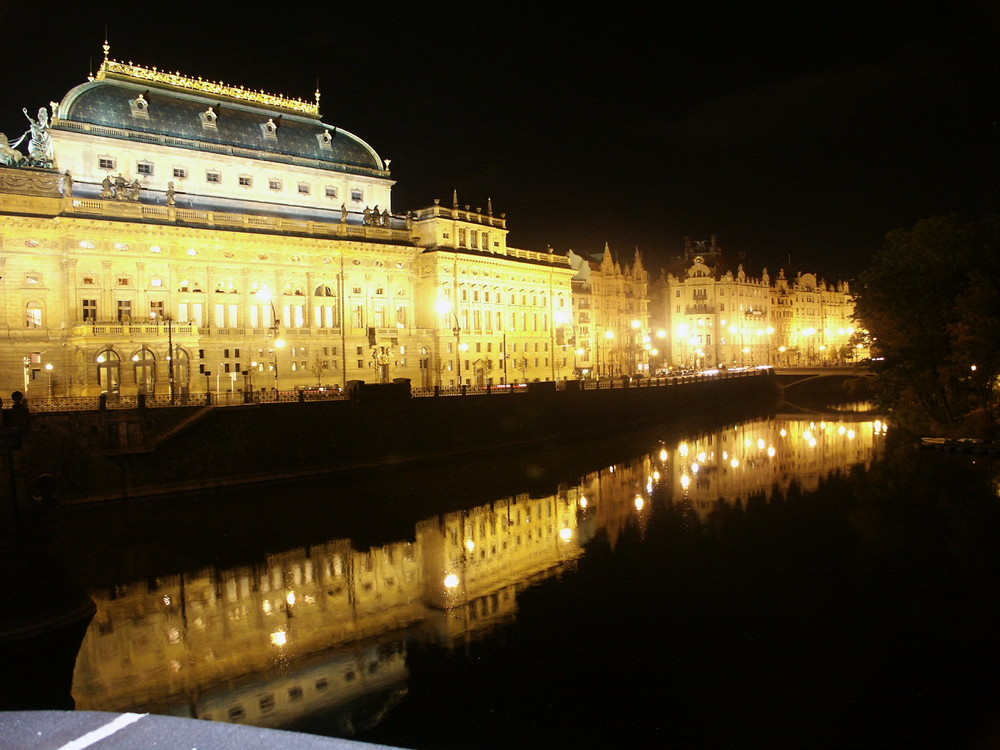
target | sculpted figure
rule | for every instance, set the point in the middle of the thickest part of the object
(106, 187)
(9, 156)
(40, 145)
(171, 200)
(134, 189)
(385, 218)
(67, 184)
(343, 213)
(368, 216)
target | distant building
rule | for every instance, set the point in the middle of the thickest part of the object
(713, 313)
(166, 234)
(611, 302)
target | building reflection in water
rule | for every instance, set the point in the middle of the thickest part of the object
(324, 629)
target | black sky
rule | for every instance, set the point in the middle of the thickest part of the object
(797, 134)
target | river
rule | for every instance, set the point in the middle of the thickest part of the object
(784, 581)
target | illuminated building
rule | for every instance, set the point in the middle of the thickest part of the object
(714, 313)
(611, 304)
(178, 235)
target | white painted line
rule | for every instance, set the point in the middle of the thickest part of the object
(106, 731)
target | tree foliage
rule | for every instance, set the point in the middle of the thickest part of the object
(931, 304)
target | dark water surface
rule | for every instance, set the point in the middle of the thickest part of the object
(781, 582)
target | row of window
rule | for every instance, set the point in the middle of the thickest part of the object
(214, 177)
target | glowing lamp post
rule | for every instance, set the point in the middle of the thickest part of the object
(265, 296)
(48, 371)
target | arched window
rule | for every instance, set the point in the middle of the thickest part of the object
(326, 310)
(33, 315)
(109, 369)
(144, 370)
(323, 291)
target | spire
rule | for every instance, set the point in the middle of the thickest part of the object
(454, 199)
(489, 207)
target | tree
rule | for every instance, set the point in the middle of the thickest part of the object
(930, 303)
(318, 367)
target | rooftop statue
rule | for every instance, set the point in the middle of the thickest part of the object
(9, 156)
(40, 145)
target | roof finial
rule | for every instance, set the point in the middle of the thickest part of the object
(317, 92)
(454, 199)
(107, 47)
(489, 206)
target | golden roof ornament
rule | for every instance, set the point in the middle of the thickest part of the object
(129, 70)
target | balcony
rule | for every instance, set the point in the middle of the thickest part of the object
(701, 308)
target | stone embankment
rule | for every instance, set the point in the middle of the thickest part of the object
(90, 456)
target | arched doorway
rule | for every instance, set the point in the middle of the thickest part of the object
(109, 371)
(144, 371)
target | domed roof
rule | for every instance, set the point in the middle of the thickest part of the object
(197, 119)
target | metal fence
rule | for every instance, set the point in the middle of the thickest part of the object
(227, 398)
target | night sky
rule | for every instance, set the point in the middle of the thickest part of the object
(797, 135)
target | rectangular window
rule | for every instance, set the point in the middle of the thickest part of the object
(33, 316)
(90, 309)
(124, 311)
(331, 192)
(213, 177)
(144, 167)
(246, 181)
(304, 188)
(359, 316)
(156, 309)
(106, 162)
(274, 184)
(357, 195)
(180, 173)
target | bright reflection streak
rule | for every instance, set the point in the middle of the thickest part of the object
(640, 503)
(735, 463)
(451, 581)
(685, 481)
(470, 545)
(583, 501)
(656, 476)
(760, 444)
(702, 457)
(266, 606)
(695, 468)
(771, 451)
(566, 534)
(663, 454)
(290, 598)
(850, 434)
(683, 449)
(279, 638)
(783, 432)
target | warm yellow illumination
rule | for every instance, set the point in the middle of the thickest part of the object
(279, 638)
(640, 503)
(451, 581)
(735, 463)
(685, 481)
(470, 545)
(565, 534)
(683, 449)
(583, 501)
(663, 454)
(290, 598)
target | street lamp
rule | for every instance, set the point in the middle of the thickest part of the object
(445, 307)
(265, 295)
(48, 371)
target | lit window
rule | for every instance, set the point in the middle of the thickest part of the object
(33, 315)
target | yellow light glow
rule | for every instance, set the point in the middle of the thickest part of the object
(290, 598)
(565, 534)
(695, 468)
(640, 503)
(451, 581)
(683, 449)
(663, 454)
(583, 501)
(470, 545)
(771, 451)
(279, 638)
(685, 481)
(443, 306)
(735, 463)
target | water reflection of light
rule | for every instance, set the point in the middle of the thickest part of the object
(735, 463)
(583, 501)
(640, 503)
(760, 444)
(656, 476)
(470, 545)
(685, 481)
(702, 457)
(266, 606)
(695, 468)
(290, 598)
(683, 449)
(451, 581)
(566, 534)
(771, 451)
(663, 454)
(279, 638)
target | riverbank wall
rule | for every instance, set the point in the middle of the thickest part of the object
(81, 457)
